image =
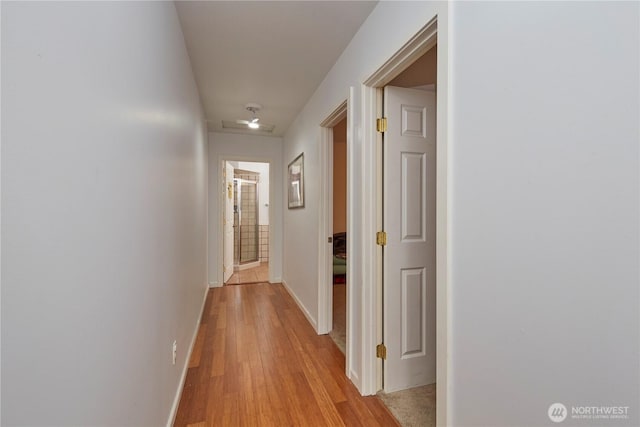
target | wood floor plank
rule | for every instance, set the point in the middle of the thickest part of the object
(316, 415)
(258, 362)
(214, 397)
(265, 412)
(218, 348)
(199, 400)
(184, 408)
(248, 404)
(348, 415)
(221, 318)
(278, 401)
(326, 377)
(380, 411)
(197, 347)
(208, 303)
(230, 410)
(319, 391)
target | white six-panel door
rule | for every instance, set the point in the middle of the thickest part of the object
(228, 221)
(409, 279)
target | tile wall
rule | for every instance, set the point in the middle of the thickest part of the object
(248, 222)
(264, 243)
(244, 233)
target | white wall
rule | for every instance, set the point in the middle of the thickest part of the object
(103, 212)
(263, 187)
(388, 28)
(544, 211)
(253, 148)
(545, 218)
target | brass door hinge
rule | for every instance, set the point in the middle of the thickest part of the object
(381, 238)
(381, 124)
(381, 351)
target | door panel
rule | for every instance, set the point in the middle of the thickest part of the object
(409, 221)
(413, 321)
(413, 196)
(228, 221)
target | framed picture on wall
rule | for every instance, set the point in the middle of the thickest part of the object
(296, 182)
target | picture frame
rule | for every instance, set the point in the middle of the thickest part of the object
(295, 184)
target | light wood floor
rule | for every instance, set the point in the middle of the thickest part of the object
(251, 275)
(258, 362)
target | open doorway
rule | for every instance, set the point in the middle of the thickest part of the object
(334, 222)
(339, 259)
(246, 222)
(409, 255)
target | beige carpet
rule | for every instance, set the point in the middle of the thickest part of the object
(339, 331)
(415, 407)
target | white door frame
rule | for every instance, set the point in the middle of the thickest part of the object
(227, 181)
(325, 220)
(371, 305)
(221, 194)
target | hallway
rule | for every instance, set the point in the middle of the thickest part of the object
(258, 361)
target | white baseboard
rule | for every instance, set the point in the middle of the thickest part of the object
(215, 284)
(185, 368)
(304, 310)
(355, 379)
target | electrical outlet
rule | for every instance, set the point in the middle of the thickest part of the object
(175, 351)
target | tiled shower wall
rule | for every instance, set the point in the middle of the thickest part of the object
(236, 227)
(264, 243)
(253, 246)
(248, 223)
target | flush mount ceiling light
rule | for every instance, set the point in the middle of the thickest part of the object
(252, 124)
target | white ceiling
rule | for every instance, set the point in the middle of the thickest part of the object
(274, 53)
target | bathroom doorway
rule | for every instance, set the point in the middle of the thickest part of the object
(246, 253)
